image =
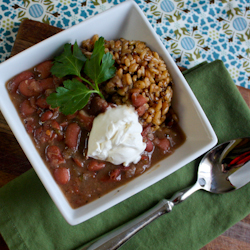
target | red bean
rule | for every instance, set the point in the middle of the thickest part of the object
(42, 135)
(72, 135)
(70, 117)
(41, 102)
(64, 124)
(62, 175)
(55, 125)
(26, 108)
(138, 100)
(115, 175)
(46, 116)
(97, 106)
(163, 144)
(147, 133)
(55, 112)
(86, 119)
(149, 146)
(29, 87)
(54, 155)
(44, 69)
(13, 84)
(47, 83)
(46, 125)
(48, 132)
(141, 110)
(78, 162)
(95, 165)
(58, 130)
(33, 102)
(30, 125)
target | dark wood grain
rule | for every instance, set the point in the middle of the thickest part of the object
(31, 32)
(14, 162)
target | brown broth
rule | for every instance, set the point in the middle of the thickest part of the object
(84, 185)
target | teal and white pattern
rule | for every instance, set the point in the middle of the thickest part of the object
(193, 31)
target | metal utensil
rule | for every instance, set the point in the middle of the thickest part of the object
(217, 173)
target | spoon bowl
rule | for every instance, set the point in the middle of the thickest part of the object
(222, 161)
(214, 175)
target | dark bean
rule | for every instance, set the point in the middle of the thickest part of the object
(78, 162)
(41, 102)
(55, 125)
(71, 117)
(44, 69)
(97, 106)
(115, 175)
(54, 155)
(138, 100)
(47, 83)
(149, 146)
(95, 165)
(141, 110)
(13, 84)
(29, 87)
(62, 175)
(163, 144)
(26, 108)
(87, 120)
(46, 116)
(30, 125)
(72, 135)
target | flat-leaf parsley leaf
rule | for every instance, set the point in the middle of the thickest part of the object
(70, 98)
(75, 94)
(69, 63)
(100, 65)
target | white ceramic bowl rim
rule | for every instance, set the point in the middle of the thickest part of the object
(124, 20)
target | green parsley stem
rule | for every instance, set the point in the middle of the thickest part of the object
(88, 82)
(95, 87)
(99, 92)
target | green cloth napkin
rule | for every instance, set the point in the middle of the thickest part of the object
(30, 220)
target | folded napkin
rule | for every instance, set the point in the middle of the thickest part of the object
(30, 220)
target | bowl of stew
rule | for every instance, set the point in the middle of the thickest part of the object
(56, 144)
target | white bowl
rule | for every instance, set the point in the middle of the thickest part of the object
(128, 21)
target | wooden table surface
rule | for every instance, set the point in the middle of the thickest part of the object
(30, 33)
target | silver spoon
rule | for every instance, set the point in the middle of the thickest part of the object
(217, 173)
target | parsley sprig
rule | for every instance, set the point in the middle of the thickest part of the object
(75, 94)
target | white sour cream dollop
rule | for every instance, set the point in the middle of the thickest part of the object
(116, 136)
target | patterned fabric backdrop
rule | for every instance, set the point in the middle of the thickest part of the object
(193, 31)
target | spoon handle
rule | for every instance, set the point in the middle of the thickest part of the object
(185, 193)
(119, 236)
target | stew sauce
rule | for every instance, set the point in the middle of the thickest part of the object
(62, 140)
